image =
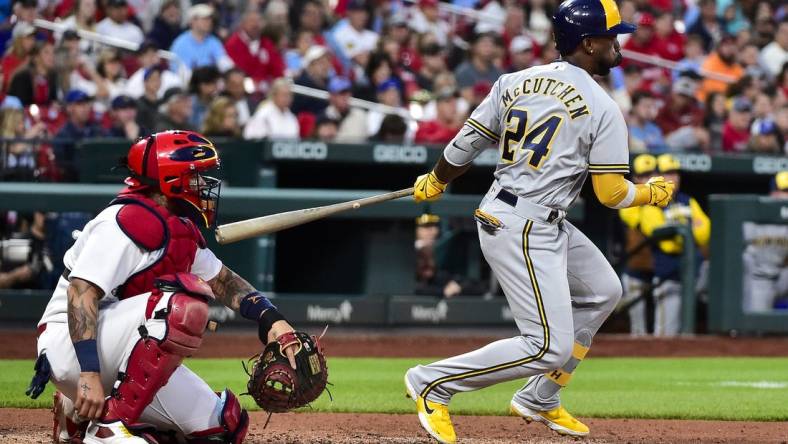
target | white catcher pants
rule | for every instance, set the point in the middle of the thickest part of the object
(185, 404)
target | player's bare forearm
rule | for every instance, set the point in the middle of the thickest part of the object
(447, 172)
(82, 309)
(229, 288)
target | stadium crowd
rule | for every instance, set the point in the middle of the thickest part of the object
(722, 85)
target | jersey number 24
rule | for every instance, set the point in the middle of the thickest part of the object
(534, 141)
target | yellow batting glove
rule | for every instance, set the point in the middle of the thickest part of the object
(428, 187)
(661, 191)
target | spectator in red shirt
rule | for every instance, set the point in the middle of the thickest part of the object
(37, 82)
(445, 126)
(513, 26)
(781, 82)
(643, 40)
(24, 39)
(398, 32)
(681, 117)
(736, 131)
(253, 53)
(669, 42)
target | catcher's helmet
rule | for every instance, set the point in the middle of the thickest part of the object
(173, 162)
(577, 19)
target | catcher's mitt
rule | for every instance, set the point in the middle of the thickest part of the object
(275, 386)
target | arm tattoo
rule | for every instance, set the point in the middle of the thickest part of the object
(229, 288)
(82, 310)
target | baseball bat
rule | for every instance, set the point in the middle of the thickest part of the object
(244, 229)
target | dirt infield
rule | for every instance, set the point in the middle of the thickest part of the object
(33, 426)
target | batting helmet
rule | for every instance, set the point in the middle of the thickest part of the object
(644, 164)
(577, 19)
(174, 162)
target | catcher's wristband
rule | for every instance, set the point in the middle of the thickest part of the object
(266, 321)
(87, 355)
(253, 305)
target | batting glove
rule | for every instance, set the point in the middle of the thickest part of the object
(661, 191)
(428, 187)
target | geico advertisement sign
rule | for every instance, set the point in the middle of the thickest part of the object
(769, 165)
(318, 313)
(694, 162)
(399, 154)
(299, 150)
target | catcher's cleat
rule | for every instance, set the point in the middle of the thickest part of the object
(112, 433)
(434, 417)
(64, 429)
(557, 419)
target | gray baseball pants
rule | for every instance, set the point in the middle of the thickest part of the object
(560, 289)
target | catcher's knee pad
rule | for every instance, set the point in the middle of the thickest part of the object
(152, 360)
(186, 314)
(234, 423)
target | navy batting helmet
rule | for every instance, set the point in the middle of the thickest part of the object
(577, 19)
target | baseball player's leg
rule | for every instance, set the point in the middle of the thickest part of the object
(118, 323)
(595, 290)
(529, 261)
(667, 308)
(172, 328)
(762, 292)
(634, 289)
(187, 407)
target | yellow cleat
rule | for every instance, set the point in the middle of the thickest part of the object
(558, 419)
(434, 417)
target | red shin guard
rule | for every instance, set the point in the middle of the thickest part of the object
(152, 361)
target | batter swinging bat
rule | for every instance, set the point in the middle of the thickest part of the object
(236, 231)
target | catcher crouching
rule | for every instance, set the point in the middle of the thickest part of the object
(133, 303)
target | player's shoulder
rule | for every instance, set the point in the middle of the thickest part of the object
(104, 228)
(533, 71)
(146, 228)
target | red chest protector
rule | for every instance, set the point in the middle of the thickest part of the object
(153, 227)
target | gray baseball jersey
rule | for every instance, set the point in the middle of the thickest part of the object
(765, 257)
(553, 124)
(767, 244)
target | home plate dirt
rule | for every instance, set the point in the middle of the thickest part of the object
(26, 426)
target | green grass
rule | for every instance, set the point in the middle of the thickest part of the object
(687, 388)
